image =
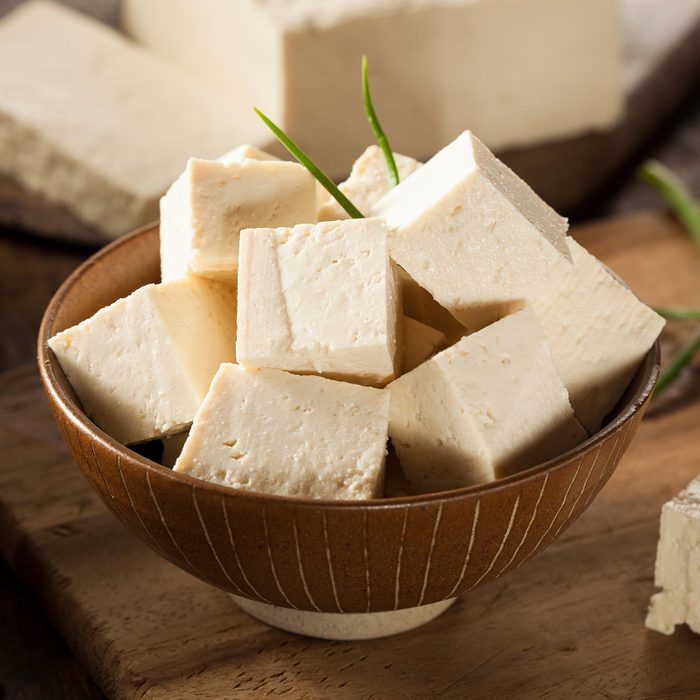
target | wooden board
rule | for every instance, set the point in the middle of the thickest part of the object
(662, 60)
(567, 624)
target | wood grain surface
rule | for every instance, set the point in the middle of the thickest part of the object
(567, 624)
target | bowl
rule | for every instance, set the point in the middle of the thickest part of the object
(343, 570)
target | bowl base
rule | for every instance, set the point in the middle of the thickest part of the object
(343, 626)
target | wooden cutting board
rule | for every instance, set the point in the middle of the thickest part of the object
(661, 62)
(567, 624)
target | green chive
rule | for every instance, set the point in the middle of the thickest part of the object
(673, 314)
(309, 164)
(676, 194)
(679, 363)
(377, 127)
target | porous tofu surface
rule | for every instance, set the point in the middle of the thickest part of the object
(368, 182)
(420, 342)
(205, 210)
(473, 234)
(599, 333)
(274, 432)
(141, 366)
(319, 298)
(490, 405)
(97, 123)
(677, 570)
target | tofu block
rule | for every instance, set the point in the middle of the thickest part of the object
(489, 406)
(677, 570)
(320, 299)
(274, 432)
(95, 123)
(142, 365)
(519, 73)
(473, 234)
(368, 182)
(599, 333)
(202, 214)
(419, 343)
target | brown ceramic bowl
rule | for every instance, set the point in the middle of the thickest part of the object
(334, 557)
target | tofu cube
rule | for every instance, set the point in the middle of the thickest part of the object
(419, 343)
(599, 333)
(274, 432)
(319, 299)
(142, 365)
(203, 212)
(678, 564)
(368, 182)
(486, 407)
(473, 234)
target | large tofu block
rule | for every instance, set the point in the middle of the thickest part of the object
(473, 234)
(419, 343)
(599, 333)
(319, 298)
(368, 182)
(97, 124)
(518, 73)
(488, 406)
(274, 432)
(142, 365)
(678, 564)
(206, 208)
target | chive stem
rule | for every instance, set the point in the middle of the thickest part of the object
(679, 363)
(676, 314)
(309, 164)
(676, 194)
(379, 134)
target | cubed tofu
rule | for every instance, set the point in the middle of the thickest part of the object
(473, 234)
(369, 181)
(678, 564)
(142, 365)
(488, 406)
(204, 211)
(274, 432)
(599, 333)
(320, 299)
(419, 343)
(97, 124)
(520, 72)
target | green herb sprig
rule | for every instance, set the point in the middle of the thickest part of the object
(686, 208)
(675, 314)
(379, 134)
(309, 164)
(679, 363)
(675, 193)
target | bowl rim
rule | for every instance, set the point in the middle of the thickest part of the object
(48, 364)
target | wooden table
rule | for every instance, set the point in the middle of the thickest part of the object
(568, 624)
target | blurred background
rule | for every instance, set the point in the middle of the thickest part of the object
(102, 102)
